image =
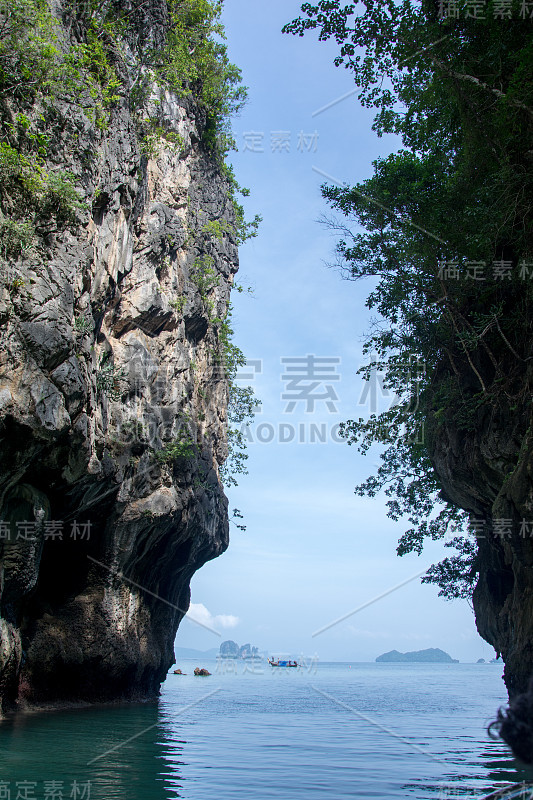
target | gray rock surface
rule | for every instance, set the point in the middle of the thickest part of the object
(488, 471)
(109, 354)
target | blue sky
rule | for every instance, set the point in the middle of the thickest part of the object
(312, 551)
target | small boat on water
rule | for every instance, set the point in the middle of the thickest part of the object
(280, 663)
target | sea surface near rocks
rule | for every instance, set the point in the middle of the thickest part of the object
(251, 731)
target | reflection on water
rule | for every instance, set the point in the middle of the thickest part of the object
(501, 768)
(265, 736)
(136, 755)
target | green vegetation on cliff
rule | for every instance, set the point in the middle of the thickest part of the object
(39, 67)
(119, 234)
(101, 58)
(444, 228)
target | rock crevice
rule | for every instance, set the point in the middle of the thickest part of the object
(113, 404)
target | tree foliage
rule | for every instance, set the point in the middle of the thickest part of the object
(459, 93)
(30, 58)
(242, 402)
(89, 64)
(195, 59)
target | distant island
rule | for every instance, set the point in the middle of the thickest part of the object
(430, 656)
(230, 649)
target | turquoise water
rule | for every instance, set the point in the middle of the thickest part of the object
(333, 730)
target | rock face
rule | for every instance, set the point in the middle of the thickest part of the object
(488, 471)
(113, 406)
(229, 649)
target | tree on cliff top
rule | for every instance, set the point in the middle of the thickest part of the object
(445, 225)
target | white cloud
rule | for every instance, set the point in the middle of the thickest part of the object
(199, 613)
(227, 620)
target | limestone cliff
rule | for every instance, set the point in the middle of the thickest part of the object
(113, 402)
(488, 471)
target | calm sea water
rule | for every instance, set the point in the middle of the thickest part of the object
(340, 731)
